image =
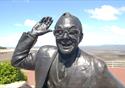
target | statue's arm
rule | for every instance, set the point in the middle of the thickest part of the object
(22, 57)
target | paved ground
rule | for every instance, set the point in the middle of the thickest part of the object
(119, 73)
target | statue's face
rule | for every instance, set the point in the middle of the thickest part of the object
(67, 35)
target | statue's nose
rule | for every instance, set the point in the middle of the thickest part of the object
(65, 35)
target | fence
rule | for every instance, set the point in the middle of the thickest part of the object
(116, 63)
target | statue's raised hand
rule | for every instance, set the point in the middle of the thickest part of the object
(42, 26)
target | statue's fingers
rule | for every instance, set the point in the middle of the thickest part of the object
(47, 20)
(49, 23)
(42, 20)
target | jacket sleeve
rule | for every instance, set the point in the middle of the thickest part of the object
(22, 57)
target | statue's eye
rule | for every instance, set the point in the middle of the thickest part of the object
(73, 32)
(58, 32)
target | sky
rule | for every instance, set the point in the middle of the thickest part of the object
(103, 21)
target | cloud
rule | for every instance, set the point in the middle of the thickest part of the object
(46, 39)
(106, 12)
(11, 41)
(122, 9)
(112, 35)
(26, 23)
(107, 35)
(116, 30)
(29, 23)
(93, 35)
(94, 38)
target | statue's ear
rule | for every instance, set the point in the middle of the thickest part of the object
(81, 37)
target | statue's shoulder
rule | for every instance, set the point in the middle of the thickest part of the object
(47, 50)
(95, 61)
(100, 64)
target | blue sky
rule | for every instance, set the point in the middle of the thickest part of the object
(103, 20)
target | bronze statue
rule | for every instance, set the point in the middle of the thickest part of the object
(64, 66)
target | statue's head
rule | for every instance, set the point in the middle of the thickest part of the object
(68, 33)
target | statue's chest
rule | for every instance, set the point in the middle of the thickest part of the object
(75, 76)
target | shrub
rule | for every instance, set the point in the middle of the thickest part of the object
(9, 74)
(2, 47)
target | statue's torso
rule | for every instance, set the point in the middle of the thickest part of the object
(79, 75)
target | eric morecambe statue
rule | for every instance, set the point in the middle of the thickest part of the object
(64, 66)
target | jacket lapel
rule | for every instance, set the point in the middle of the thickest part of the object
(43, 64)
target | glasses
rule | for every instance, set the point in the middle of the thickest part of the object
(61, 32)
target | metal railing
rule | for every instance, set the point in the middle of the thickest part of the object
(116, 63)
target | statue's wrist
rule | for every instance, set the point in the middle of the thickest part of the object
(34, 35)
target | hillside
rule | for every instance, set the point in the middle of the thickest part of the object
(108, 52)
